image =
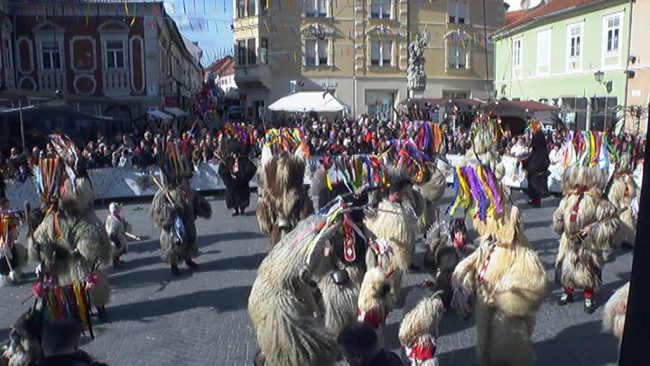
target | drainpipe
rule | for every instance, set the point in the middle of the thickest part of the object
(354, 60)
(627, 62)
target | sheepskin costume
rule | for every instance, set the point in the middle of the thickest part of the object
(70, 242)
(430, 191)
(375, 302)
(507, 278)
(615, 310)
(339, 278)
(394, 222)
(443, 253)
(580, 257)
(174, 210)
(419, 330)
(621, 193)
(116, 228)
(282, 304)
(283, 199)
(13, 255)
(484, 147)
(24, 345)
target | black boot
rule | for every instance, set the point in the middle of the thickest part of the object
(565, 299)
(236, 213)
(175, 270)
(191, 264)
(590, 306)
(102, 314)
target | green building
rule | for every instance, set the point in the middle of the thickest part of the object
(571, 53)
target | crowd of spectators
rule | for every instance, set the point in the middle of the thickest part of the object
(366, 134)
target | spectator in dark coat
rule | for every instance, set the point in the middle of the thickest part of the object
(360, 347)
(536, 165)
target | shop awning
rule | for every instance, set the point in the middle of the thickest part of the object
(318, 101)
(176, 112)
(157, 113)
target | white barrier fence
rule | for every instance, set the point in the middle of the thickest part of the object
(109, 183)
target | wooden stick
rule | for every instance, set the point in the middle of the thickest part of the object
(169, 198)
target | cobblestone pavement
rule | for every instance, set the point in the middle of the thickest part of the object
(200, 318)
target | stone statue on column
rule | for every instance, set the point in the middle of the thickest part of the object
(416, 78)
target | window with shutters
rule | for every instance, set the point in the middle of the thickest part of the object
(458, 11)
(574, 47)
(381, 9)
(381, 52)
(317, 52)
(315, 8)
(544, 52)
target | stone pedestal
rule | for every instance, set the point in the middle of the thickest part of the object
(416, 94)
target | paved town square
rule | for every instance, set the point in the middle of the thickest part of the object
(200, 318)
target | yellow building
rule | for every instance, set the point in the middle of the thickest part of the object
(358, 49)
(638, 92)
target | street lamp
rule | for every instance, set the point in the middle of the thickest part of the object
(599, 75)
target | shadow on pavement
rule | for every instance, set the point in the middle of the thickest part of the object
(221, 300)
(246, 262)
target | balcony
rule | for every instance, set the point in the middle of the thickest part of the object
(51, 80)
(253, 74)
(116, 82)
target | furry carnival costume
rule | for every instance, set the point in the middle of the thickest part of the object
(283, 198)
(504, 272)
(394, 223)
(70, 242)
(419, 330)
(341, 275)
(13, 256)
(484, 147)
(282, 302)
(119, 231)
(375, 302)
(585, 221)
(446, 245)
(175, 207)
(24, 345)
(236, 170)
(615, 310)
(621, 193)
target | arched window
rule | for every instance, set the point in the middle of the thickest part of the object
(318, 46)
(458, 46)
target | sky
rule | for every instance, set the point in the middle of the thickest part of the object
(207, 22)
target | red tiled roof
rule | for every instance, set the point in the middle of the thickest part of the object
(553, 6)
(217, 65)
(513, 16)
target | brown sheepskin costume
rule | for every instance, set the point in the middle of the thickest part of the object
(484, 150)
(282, 304)
(395, 223)
(428, 194)
(174, 210)
(339, 280)
(615, 310)
(580, 257)
(375, 302)
(621, 193)
(24, 345)
(15, 258)
(70, 242)
(419, 330)
(509, 281)
(283, 198)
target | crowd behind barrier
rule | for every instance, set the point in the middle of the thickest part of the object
(115, 183)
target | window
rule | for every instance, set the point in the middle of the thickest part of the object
(264, 50)
(457, 55)
(114, 53)
(241, 52)
(381, 53)
(612, 34)
(458, 11)
(50, 56)
(454, 94)
(315, 8)
(516, 54)
(317, 52)
(241, 8)
(8, 58)
(380, 9)
(250, 9)
(574, 47)
(544, 52)
(252, 56)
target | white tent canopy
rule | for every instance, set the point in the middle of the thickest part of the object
(314, 101)
(176, 112)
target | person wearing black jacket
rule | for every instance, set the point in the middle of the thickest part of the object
(360, 347)
(236, 170)
(536, 166)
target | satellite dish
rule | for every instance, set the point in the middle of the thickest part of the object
(525, 4)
